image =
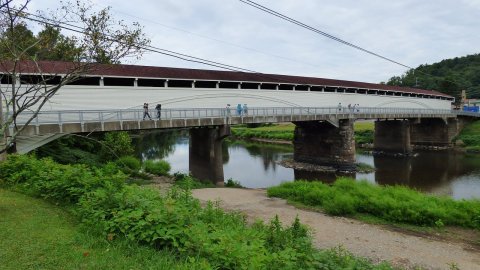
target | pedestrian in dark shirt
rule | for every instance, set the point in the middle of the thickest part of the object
(159, 110)
(145, 111)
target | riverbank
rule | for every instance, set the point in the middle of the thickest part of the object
(467, 141)
(402, 248)
(209, 237)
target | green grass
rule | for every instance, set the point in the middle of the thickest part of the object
(364, 126)
(363, 132)
(174, 226)
(35, 234)
(394, 204)
(470, 136)
(274, 132)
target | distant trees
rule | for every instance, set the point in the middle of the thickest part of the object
(93, 37)
(449, 76)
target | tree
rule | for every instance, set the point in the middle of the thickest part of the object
(99, 39)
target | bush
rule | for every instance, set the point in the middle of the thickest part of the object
(105, 203)
(391, 203)
(232, 183)
(186, 181)
(160, 167)
(59, 183)
(129, 162)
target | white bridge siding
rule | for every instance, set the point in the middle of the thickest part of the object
(72, 97)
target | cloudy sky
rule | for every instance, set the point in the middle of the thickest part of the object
(228, 31)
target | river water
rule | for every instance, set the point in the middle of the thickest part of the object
(255, 165)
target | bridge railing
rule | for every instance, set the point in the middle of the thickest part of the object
(84, 116)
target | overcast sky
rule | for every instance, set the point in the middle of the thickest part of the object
(412, 32)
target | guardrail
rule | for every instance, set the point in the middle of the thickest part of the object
(85, 116)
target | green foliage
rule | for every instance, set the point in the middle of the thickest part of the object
(470, 136)
(266, 134)
(186, 181)
(48, 44)
(78, 149)
(209, 236)
(233, 184)
(160, 167)
(116, 145)
(39, 235)
(71, 150)
(450, 76)
(59, 183)
(394, 204)
(129, 162)
(364, 136)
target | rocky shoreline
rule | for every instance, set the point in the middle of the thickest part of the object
(302, 166)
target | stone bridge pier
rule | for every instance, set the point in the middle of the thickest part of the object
(325, 144)
(392, 136)
(400, 136)
(435, 131)
(205, 153)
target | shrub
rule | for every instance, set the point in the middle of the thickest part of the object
(160, 167)
(232, 183)
(186, 181)
(60, 183)
(129, 162)
(105, 203)
(115, 145)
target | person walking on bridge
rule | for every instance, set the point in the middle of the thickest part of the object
(145, 111)
(159, 110)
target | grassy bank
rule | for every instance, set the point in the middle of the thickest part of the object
(470, 136)
(38, 235)
(363, 132)
(272, 132)
(395, 204)
(175, 224)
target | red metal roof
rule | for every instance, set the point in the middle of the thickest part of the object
(55, 67)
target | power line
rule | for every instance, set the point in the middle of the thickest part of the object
(80, 30)
(320, 32)
(313, 29)
(215, 39)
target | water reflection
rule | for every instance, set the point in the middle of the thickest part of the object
(255, 165)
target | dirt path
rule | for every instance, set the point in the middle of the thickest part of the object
(361, 239)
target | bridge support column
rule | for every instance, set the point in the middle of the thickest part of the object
(325, 144)
(435, 131)
(392, 136)
(205, 153)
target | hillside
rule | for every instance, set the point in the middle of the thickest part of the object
(449, 76)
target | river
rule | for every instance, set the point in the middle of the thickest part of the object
(255, 165)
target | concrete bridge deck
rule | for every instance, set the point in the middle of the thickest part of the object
(50, 125)
(49, 122)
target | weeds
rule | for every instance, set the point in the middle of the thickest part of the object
(394, 204)
(175, 222)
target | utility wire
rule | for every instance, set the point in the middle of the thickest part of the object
(320, 32)
(80, 30)
(313, 29)
(215, 39)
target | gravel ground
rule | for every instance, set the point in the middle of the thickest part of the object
(361, 239)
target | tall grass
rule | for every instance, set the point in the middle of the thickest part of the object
(392, 203)
(176, 222)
